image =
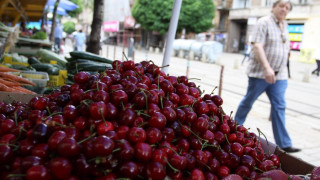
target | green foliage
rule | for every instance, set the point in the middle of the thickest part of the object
(39, 35)
(77, 11)
(69, 27)
(195, 15)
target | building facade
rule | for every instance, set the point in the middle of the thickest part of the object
(236, 18)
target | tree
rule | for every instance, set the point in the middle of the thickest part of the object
(69, 27)
(54, 19)
(195, 15)
(77, 11)
(94, 41)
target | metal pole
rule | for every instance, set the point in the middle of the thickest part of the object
(107, 55)
(114, 52)
(171, 34)
(221, 79)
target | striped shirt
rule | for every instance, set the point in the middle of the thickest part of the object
(275, 44)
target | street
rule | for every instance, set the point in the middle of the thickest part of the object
(302, 114)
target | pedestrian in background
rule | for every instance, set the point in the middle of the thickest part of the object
(80, 39)
(247, 52)
(317, 57)
(268, 72)
(58, 36)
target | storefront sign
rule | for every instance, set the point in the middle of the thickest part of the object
(111, 26)
(129, 22)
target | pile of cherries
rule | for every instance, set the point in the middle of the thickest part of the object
(132, 121)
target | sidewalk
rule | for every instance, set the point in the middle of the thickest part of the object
(302, 115)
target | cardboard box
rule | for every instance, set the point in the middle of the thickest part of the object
(289, 163)
(9, 97)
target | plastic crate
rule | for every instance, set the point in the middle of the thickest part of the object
(39, 78)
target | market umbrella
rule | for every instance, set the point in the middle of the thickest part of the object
(60, 10)
(64, 4)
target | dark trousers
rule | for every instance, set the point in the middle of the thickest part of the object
(317, 70)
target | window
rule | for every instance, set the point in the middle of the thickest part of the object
(300, 2)
(267, 3)
(241, 4)
(222, 21)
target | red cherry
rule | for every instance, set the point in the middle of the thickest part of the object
(155, 171)
(38, 172)
(136, 135)
(98, 110)
(143, 151)
(60, 167)
(104, 127)
(129, 169)
(157, 120)
(103, 146)
(223, 171)
(81, 77)
(197, 174)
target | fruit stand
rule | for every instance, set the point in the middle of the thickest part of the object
(132, 121)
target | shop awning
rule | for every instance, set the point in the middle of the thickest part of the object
(63, 4)
(13, 11)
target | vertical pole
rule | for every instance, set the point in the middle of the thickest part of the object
(122, 53)
(221, 79)
(114, 52)
(107, 55)
(188, 67)
(171, 34)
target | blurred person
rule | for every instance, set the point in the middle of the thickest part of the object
(80, 39)
(268, 72)
(58, 36)
(246, 52)
(317, 57)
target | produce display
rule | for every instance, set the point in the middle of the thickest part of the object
(13, 83)
(131, 121)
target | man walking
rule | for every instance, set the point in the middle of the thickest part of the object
(268, 72)
(80, 39)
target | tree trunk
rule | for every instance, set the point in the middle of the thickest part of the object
(94, 41)
(53, 25)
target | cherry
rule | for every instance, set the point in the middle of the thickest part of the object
(101, 95)
(201, 124)
(68, 147)
(136, 135)
(243, 171)
(153, 135)
(129, 169)
(6, 154)
(223, 171)
(98, 110)
(103, 146)
(197, 174)
(38, 172)
(217, 100)
(60, 167)
(119, 97)
(237, 149)
(55, 139)
(183, 145)
(155, 171)
(214, 165)
(143, 151)
(248, 161)
(41, 150)
(157, 120)
(275, 159)
(39, 103)
(81, 77)
(104, 127)
(6, 125)
(159, 155)
(178, 162)
(127, 117)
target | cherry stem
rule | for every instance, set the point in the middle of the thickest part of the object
(214, 89)
(171, 149)
(255, 168)
(225, 135)
(139, 112)
(47, 108)
(145, 95)
(161, 102)
(16, 175)
(192, 133)
(97, 82)
(43, 119)
(87, 138)
(104, 120)
(194, 79)
(13, 145)
(260, 132)
(142, 124)
(174, 169)
(125, 56)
